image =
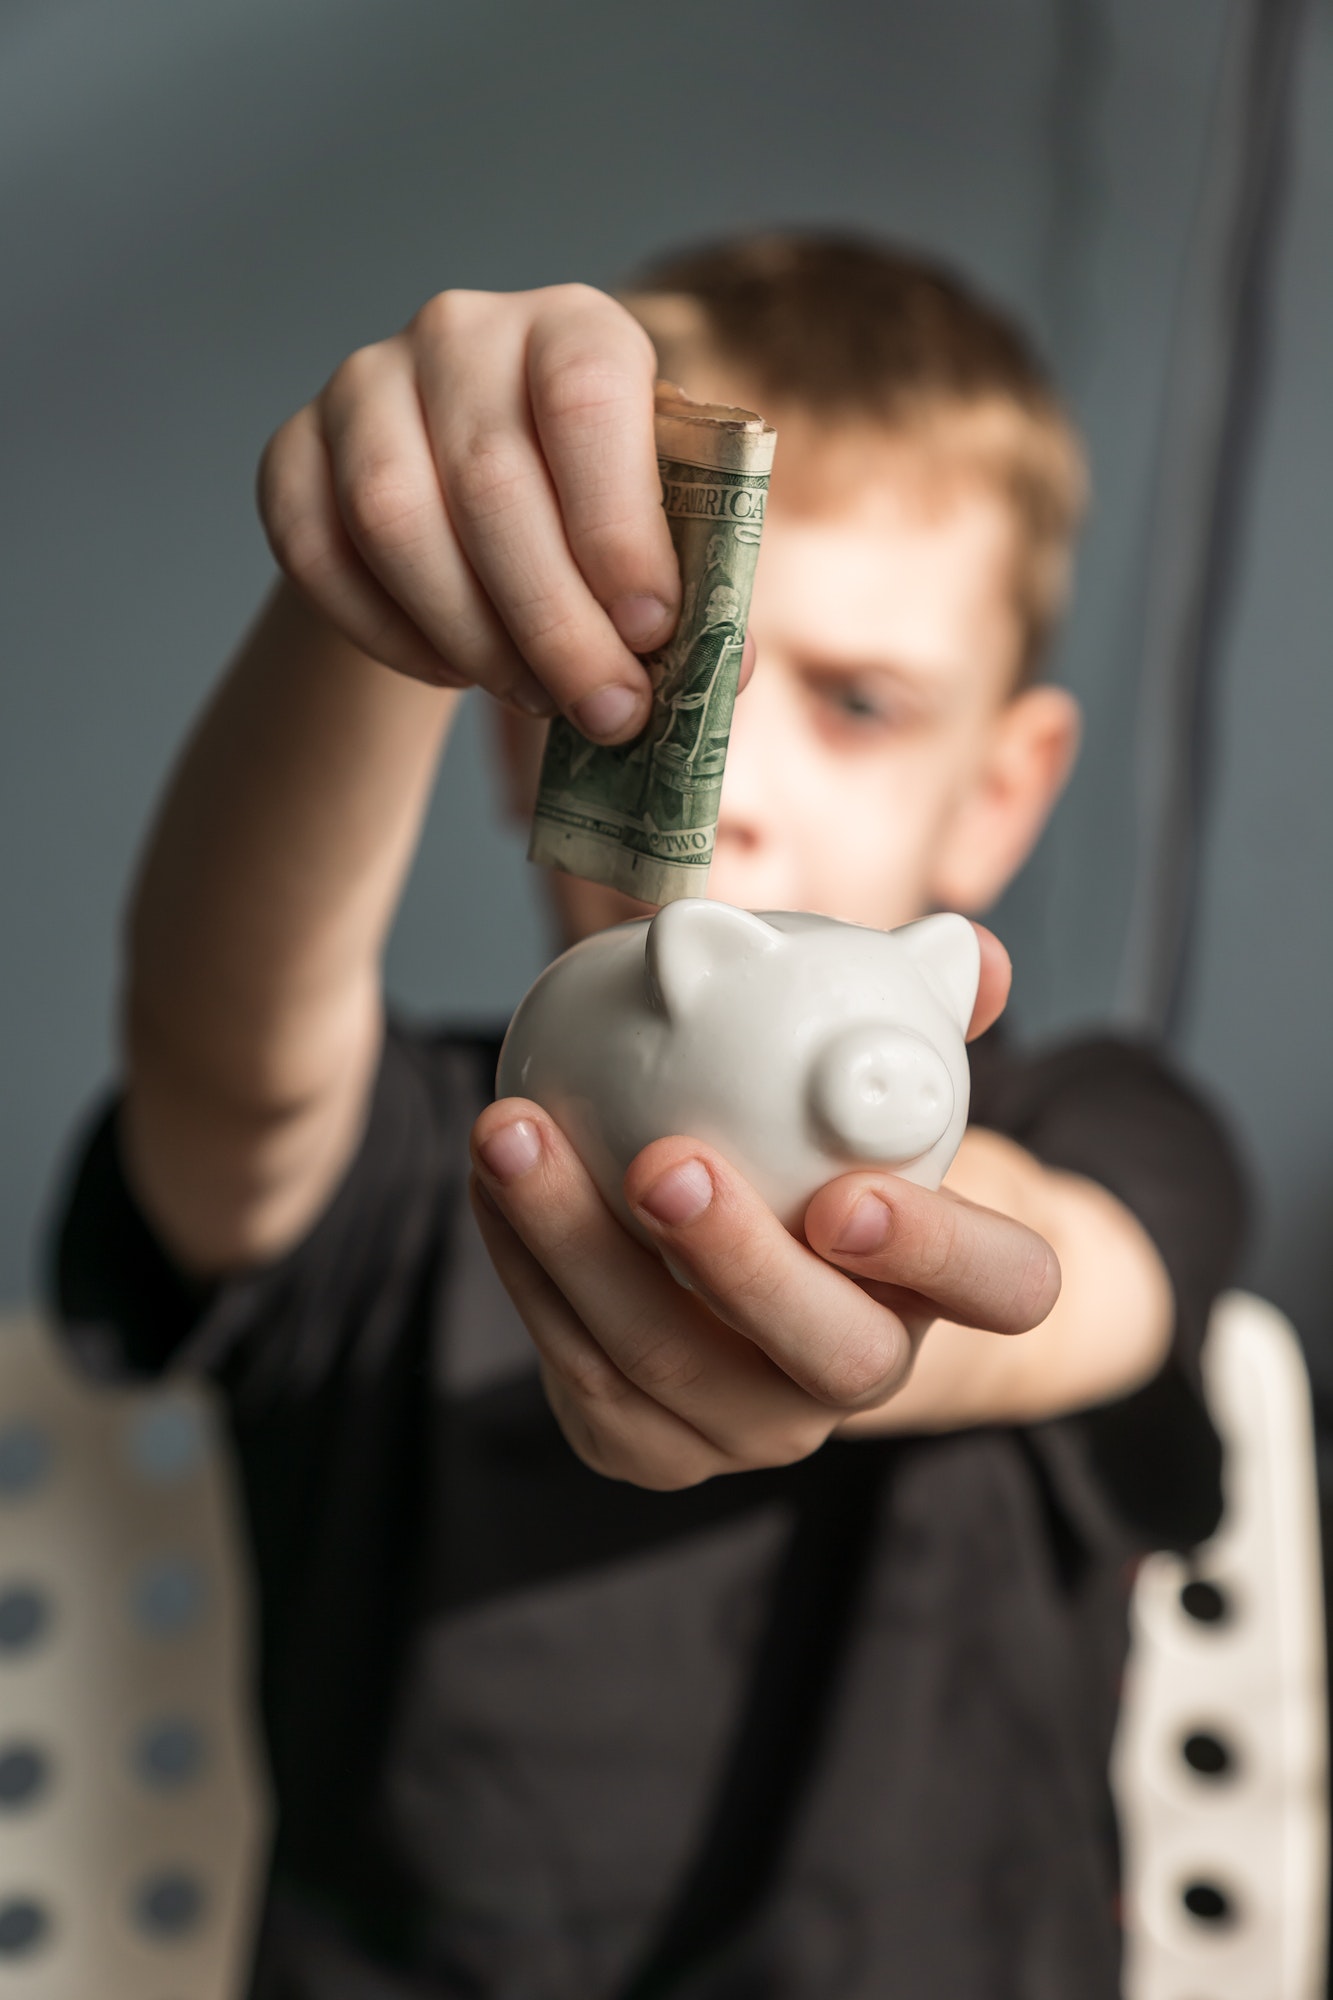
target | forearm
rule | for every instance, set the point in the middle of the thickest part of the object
(261, 909)
(1107, 1333)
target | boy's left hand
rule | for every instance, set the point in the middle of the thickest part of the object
(774, 1346)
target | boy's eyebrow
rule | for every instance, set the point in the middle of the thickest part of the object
(918, 677)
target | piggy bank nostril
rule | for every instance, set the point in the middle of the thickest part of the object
(881, 1094)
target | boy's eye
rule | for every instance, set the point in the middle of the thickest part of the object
(856, 703)
(853, 701)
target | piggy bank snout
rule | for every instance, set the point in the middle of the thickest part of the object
(881, 1093)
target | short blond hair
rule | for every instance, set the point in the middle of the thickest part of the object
(854, 331)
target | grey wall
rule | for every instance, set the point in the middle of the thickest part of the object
(1258, 1007)
(207, 207)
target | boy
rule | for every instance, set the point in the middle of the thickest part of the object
(551, 1709)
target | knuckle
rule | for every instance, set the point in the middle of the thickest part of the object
(276, 490)
(549, 628)
(444, 315)
(579, 388)
(569, 1237)
(688, 1459)
(574, 295)
(614, 1454)
(594, 1381)
(350, 379)
(859, 1368)
(762, 1281)
(584, 1439)
(614, 548)
(278, 482)
(664, 1364)
(304, 552)
(937, 1248)
(1036, 1287)
(295, 532)
(488, 472)
(678, 1476)
(770, 1448)
(383, 504)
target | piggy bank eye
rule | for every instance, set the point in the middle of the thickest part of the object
(881, 1094)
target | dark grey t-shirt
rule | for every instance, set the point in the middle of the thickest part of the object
(839, 1729)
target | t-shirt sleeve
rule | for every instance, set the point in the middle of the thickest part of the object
(1114, 1111)
(127, 1309)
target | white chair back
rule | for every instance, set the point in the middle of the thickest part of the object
(133, 1806)
(1221, 1760)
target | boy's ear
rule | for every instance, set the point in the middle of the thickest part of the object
(999, 819)
(519, 741)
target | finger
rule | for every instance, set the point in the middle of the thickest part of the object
(615, 1428)
(506, 514)
(390, 502)
(975, 1265)
(299, 509)
(748, 656)
(835, 1342)
(662, 1338)
(590, 378)
(993, 982)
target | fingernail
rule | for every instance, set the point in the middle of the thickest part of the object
(681, 1195)
(512, 1151)
(639, 620)
(448, 677)
(531, 697)
(865, 1228)
(607, 712)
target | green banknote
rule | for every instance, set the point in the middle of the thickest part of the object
(642, 817)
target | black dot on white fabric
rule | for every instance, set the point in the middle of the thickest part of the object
(168, 1752)
(1209, 1904)
(169, 1904)
(1206, 1603)
(25, 1615)
(24, 1925)
(168, 1595)
(26, 1455)
(25, 1772)
(165, 1441)
(1207, 1754)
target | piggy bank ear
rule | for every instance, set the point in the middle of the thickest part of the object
(693, 943)
(945, 951)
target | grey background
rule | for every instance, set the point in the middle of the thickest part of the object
(206, 207)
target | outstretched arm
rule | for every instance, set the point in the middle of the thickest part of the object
(252, 1004)
(472, 501)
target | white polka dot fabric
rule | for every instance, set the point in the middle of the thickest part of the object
(1221, 1764)
(133, 1808)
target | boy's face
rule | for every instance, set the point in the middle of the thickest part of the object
(880, 764)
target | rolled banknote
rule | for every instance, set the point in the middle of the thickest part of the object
(642, 817)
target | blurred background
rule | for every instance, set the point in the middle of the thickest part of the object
(206, 207)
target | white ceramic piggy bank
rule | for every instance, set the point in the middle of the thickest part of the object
(798, 1046)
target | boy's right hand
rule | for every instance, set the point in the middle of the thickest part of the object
(476, 501)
